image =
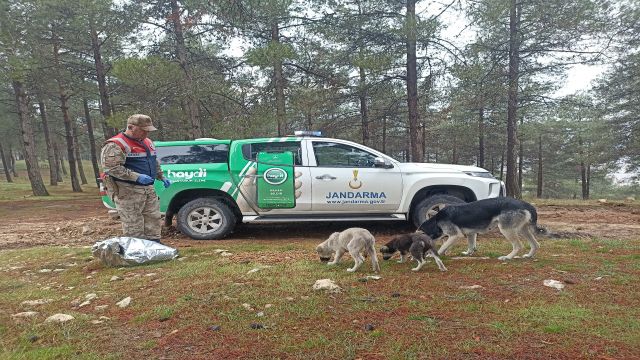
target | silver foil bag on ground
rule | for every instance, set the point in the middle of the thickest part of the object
(127, 251)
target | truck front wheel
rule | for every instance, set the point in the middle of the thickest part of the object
(430, 206)
(206, 219)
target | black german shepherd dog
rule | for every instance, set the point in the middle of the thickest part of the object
(514, 218)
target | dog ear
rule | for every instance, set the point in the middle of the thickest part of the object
(431, 228)
(424, 226)
(437, 233)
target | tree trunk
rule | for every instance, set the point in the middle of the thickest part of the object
(511, 180)
(188, 84)
(5, 165)
(12, 162)
(278, 83)
(412, 82)
(76, 151)
(588, 181)
(105, 103)
(309, 121)
(425, 154)
(68, 127)
(51, 157)
(30, 157)
(502, 166)
(481, 137)
(56, 154)
(539, 188)
(583, 180)
(92, 141)
(68, 130)
(63, 167)
(384, 134)
(407, 152)
(583, 171)
(493, 163)
(454, 155)
(158, 123)
(364, 110)
(520, 166)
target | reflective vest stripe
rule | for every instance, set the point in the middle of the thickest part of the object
(141, 154)
(123, 144)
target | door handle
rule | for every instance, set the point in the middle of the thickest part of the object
(326, 177)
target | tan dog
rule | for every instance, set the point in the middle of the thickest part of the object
(355, 241)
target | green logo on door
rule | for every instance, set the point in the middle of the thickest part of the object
(275, 176)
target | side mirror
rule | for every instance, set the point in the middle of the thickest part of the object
(380, 162)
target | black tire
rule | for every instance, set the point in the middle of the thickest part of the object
(430, 206)
(206, 219)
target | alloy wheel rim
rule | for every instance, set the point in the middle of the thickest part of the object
(204, 220)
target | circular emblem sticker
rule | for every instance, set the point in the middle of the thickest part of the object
(275, 176)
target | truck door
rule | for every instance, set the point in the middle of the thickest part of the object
(247, 172)
(344, 178)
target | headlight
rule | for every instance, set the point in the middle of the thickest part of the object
(482, 174)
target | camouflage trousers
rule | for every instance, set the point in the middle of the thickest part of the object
(139, 210)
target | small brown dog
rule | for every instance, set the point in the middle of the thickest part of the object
(418, 244)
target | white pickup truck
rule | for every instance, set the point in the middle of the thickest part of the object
(220, 183)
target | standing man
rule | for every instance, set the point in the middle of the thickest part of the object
(130, 169)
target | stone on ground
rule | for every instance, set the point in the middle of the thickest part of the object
(124, 302)
(328, 285)
(59, 318)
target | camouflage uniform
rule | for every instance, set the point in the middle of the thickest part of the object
(137, 205)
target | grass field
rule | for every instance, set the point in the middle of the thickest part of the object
(208, 306)
(404, 315)
(20, 188)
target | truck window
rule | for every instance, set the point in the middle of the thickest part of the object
(340, 155)
(193, 154)
(249, 151)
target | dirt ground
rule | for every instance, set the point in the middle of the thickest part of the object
(512, 315)
(83, 222)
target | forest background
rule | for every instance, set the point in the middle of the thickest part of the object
(465, 82)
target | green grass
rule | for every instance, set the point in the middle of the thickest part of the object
(20, 188)
(581, 245)
(53, 352)
(149, 344)
(175, 308)
(164, 313)
(556, 318)
(503, 328)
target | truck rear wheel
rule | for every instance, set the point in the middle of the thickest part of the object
(430, 206)
(206, 219)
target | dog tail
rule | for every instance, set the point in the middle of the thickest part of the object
(539, 230)
(374, 257)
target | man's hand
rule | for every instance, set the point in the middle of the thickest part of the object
(144, 179)
(166, 183)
